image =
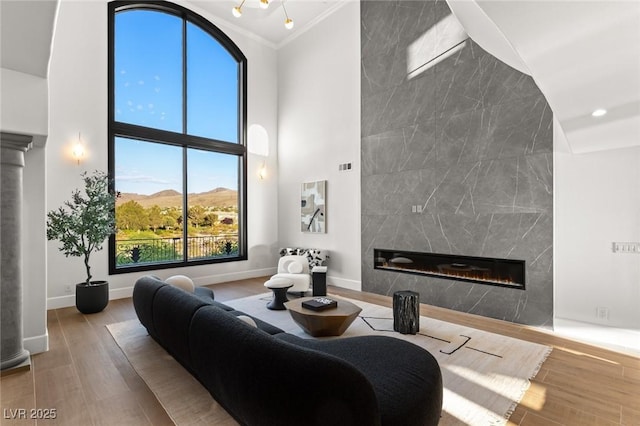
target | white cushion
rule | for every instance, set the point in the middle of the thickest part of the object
(182, 282)
(278, 283)
(294, 267)
(248, 320)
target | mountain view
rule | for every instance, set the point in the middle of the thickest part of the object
(217, 197)
(151, 228)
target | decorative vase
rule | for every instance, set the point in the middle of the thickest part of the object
(93, 298)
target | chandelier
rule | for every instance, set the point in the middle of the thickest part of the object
(288, 22)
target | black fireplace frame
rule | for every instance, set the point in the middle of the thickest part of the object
(518, 266)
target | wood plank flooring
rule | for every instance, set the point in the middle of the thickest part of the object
(88, 381)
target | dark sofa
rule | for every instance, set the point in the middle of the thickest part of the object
(263, 376)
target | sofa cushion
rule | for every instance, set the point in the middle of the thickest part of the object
(251, 375)
(406, 378)
(144, 293)
(172, 312)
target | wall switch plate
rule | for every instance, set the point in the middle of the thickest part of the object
(345, 167)
(629, 247)
(602, 313)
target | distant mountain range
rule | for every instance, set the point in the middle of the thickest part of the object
(218, 197)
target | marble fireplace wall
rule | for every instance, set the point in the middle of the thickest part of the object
(468, 140)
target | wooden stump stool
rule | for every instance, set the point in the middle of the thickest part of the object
(406, 312)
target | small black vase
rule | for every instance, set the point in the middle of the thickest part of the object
(93, 298)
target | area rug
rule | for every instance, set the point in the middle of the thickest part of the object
(485, 374)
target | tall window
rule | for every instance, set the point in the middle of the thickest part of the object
(177, 152)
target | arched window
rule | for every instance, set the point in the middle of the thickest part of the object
(177, 126)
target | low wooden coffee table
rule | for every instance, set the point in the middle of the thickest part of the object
(329, 322)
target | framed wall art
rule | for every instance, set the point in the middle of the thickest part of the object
(313, 202)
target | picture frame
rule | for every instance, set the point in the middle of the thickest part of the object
(313, 215)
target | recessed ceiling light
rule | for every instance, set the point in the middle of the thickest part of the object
(599, 112)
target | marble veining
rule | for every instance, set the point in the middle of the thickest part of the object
(470, 140)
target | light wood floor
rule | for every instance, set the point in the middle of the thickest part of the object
(88, 381)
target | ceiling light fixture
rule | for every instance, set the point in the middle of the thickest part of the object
(288, 22)
(599, 112)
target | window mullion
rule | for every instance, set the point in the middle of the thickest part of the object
(185, 208)
(185, 183)
(184, 76)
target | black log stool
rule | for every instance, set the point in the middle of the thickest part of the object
(406, 312)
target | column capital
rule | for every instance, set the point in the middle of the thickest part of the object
(16, 141)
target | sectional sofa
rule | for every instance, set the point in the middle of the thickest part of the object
(264, 376)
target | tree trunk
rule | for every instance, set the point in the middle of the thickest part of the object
(88, 268)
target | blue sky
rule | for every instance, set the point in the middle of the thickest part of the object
(148, 92)
(140, 173)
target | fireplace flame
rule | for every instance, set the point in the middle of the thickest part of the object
(494, 271)
(477, 274)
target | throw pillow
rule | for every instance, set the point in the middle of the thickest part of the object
(182, 282)
(294, 267)
(247, 320)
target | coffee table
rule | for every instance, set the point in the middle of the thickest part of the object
(329, 322)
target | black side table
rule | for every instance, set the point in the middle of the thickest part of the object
(319, 278)
(406, 312)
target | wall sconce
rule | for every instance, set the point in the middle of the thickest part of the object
(262, 171)
(78, 150)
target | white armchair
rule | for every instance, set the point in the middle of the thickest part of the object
(295, 269)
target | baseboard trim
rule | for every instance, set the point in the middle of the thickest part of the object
(344, 283)
(122, 293)
(61, 302)
(234, 276)
(618, 339)
(36, 344)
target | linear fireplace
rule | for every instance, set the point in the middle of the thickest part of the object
(483, 270)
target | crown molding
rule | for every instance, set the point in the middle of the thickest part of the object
(330, 11)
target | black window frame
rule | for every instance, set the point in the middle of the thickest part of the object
(184, 140)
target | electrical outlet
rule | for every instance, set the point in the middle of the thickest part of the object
(68, 289)
(345, 167)
(602, 313)
(622, 247)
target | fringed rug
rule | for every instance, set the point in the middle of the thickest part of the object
(485, 374)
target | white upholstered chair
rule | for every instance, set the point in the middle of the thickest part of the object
(296, 269)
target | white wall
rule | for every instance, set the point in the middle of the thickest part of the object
(34, 252)
(597, 202)
(23, 108)
(78, 103)
(319, 128)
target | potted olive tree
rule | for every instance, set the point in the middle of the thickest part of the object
(82, 225)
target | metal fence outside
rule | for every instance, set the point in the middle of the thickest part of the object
(160, 250)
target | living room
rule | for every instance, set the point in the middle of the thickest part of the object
(306, 93)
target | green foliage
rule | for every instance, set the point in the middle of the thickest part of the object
(154, 217)
(83, 223)
(131, 216)
(142, 235)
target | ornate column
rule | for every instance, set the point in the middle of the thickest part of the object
(12, 149)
